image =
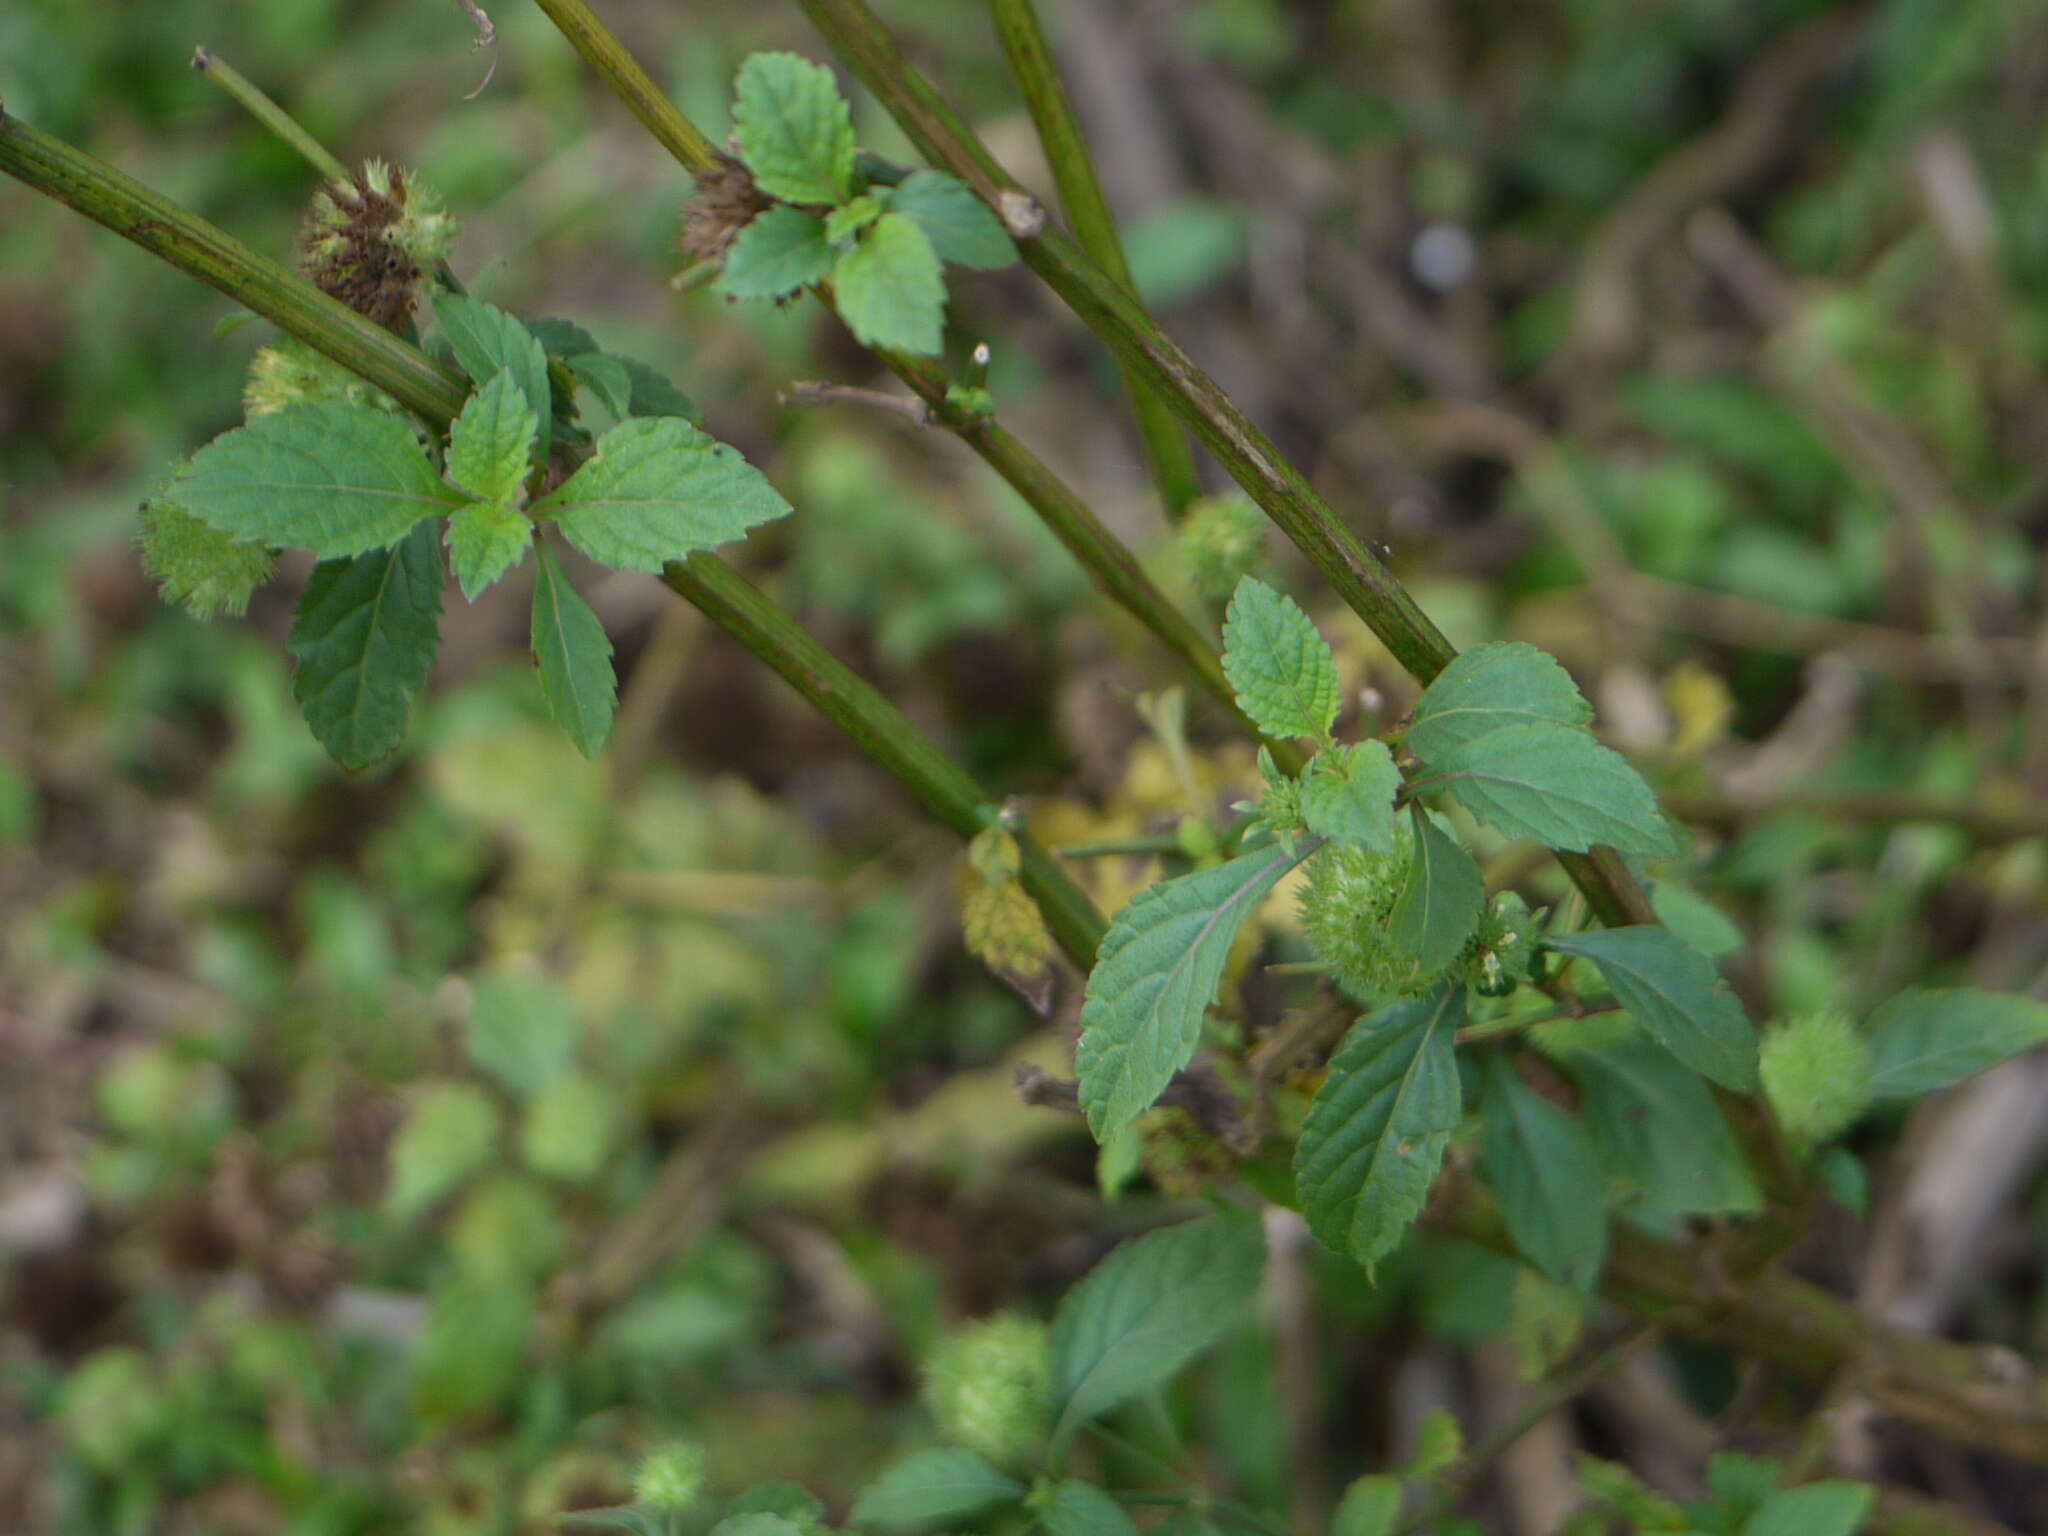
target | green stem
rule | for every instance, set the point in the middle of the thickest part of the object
(1101, 553)
(1701, 1291)
(607, 55)
(1358, 576)
(268, 113)
(223, 263)
(882, 731)
(1087, 209)
(416, 381)
(1108, 561)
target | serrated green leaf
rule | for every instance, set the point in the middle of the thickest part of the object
(487, 339)
(795, 130)
(1347, 795)
(1926, 1039)
(960, 225)
(1813, 1509)
(485, 540)
(1370, 1507)
(1696, 920)
(1489, 688)
(658, 490)
(196, 565)
(1281, 669)
(1377, 1130)
(1555, 785)
(1656, 1128)
(575, 657)
(607, 378)
(490, 447)
(364, 639)
(889, 288)
(1148, 1309)
(1155, 976)
(1541, 1164)
(562, 338)
(654, 394)
(1677, 996)
(1075, 1508)
(781, 251)
(1439, 904)
(335, 479)
(843, 223)
(928, 1487)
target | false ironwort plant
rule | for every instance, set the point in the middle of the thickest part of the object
(1577, 1086)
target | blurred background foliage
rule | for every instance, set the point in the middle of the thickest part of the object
(413, 1151)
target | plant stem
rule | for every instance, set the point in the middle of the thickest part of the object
(268, 113)
(1105, 557)
(416, 381)
(1985, 1398)
(607, 55)
(1371, 590)
(882, 731)
(223, 263)
(1101, 553)
(1087, 209)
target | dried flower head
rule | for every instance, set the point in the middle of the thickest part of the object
(726, 201)
(368, 241)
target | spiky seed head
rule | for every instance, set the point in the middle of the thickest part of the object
(367, 242)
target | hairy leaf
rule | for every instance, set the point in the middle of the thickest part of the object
(1926, 1039)
(1377, 1130)
(364, 638)
(931, 1487)
(794, 128)
(575, 657)
(1541, 1164)
(1439, 904)
(334, 479)
(196, 565)
(782, 250)
(1347, 795)
(1076, 1508)
(960, 225)
(486, 339)
(1147, 1310)
(658, 490)
(485, 540)
(1681, 1001)
(889, 289)
(1556, 785)
(1488, 688)
(490, 446)
(1281, 669)
(1156, 975)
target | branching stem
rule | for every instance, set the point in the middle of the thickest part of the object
(437, 393)
(268, 113)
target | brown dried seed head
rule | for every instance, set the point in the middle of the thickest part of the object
(346, 248)
(726, 201)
